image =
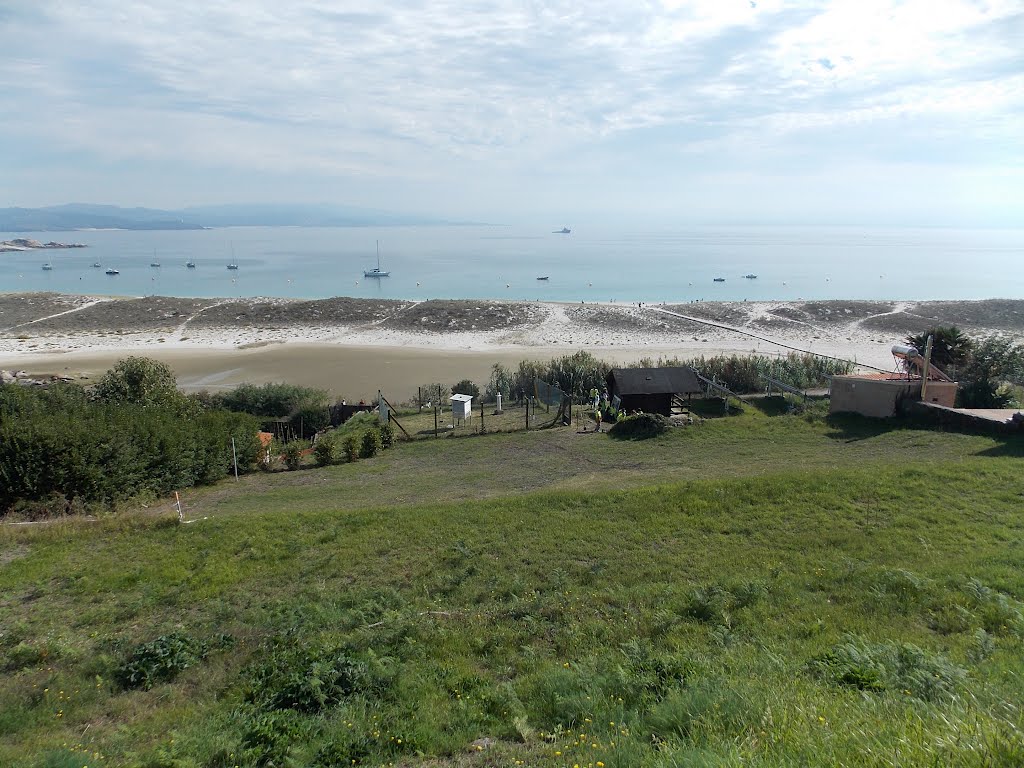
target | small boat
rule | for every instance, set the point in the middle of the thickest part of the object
(719, 280)
(113, 271)
(97, 265)
(750, 277)
(543, 278)
(378, 272)
(47, 266)
(232, 265)
(190, 264)
(562, 231)
(154, 263)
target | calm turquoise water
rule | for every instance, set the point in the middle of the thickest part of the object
(504, 262)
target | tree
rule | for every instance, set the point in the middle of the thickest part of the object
(500, 381)
(950, 346)
(141, 381)
(466, 387)
(431, 392)
(994, 362)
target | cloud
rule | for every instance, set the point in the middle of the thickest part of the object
(447, 91)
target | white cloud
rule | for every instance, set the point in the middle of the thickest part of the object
(448, 91)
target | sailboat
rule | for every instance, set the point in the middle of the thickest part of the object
(233, 264)
(378, 272)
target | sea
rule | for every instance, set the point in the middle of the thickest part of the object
(590, 264)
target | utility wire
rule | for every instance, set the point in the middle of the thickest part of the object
(766, 340)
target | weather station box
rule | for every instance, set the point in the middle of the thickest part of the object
(462, 407)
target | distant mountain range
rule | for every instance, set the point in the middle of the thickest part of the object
(86, 216)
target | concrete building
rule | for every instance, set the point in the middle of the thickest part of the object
(880, 395)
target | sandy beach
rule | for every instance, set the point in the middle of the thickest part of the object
(352, 347)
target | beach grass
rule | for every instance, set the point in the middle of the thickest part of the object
(766, 589)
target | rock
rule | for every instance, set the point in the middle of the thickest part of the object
(6, 377)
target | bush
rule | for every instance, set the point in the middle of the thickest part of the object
(350, 448)
(325, 449)
(370, 444)
(387, 435)
(640, 426)
(466, 387)
(160, 661)
(59, 447)
(304, 679)
(293, 455)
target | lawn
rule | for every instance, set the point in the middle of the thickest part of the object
(764, 590)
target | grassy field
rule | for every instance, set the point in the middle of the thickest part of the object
(763, 590)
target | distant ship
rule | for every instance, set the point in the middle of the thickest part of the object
(562, 231)
(719, 279)
(376, 272)
(751, 277)
(232, 265)
(113, 271)
(47, 267)
(97, 264)
(190, 264)
(154, 263)
(543, 278)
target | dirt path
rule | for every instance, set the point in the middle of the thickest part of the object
(79, 308)
(180, 330)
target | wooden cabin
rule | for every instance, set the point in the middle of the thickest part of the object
(654, 390)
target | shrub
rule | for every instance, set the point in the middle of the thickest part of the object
(293, 455)
(387, 435)
(640, 426)
(291, 676)
(889, 666)
(466, 387)
(370, 444)
(350, 448)
(160, 660)
(325, 449)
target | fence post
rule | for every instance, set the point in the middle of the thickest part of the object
(482, 430)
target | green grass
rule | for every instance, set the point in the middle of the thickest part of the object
(764, 590)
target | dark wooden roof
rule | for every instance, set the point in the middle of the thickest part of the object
(654, 381)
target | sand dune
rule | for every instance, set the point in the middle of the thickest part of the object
(355, 346)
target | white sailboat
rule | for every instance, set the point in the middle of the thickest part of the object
(378, 272)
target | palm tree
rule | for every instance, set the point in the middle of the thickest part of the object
(950, 346)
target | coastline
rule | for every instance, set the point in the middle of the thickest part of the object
(352, 347)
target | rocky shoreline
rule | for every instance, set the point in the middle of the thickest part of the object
(27, 244)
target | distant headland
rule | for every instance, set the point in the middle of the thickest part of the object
(78, 216)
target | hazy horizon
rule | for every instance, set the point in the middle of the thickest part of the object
(760, 112)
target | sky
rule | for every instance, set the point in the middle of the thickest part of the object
(831, 111)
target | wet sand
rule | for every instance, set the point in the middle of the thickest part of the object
(350, 372)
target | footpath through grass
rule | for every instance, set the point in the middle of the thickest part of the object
(779, 592)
